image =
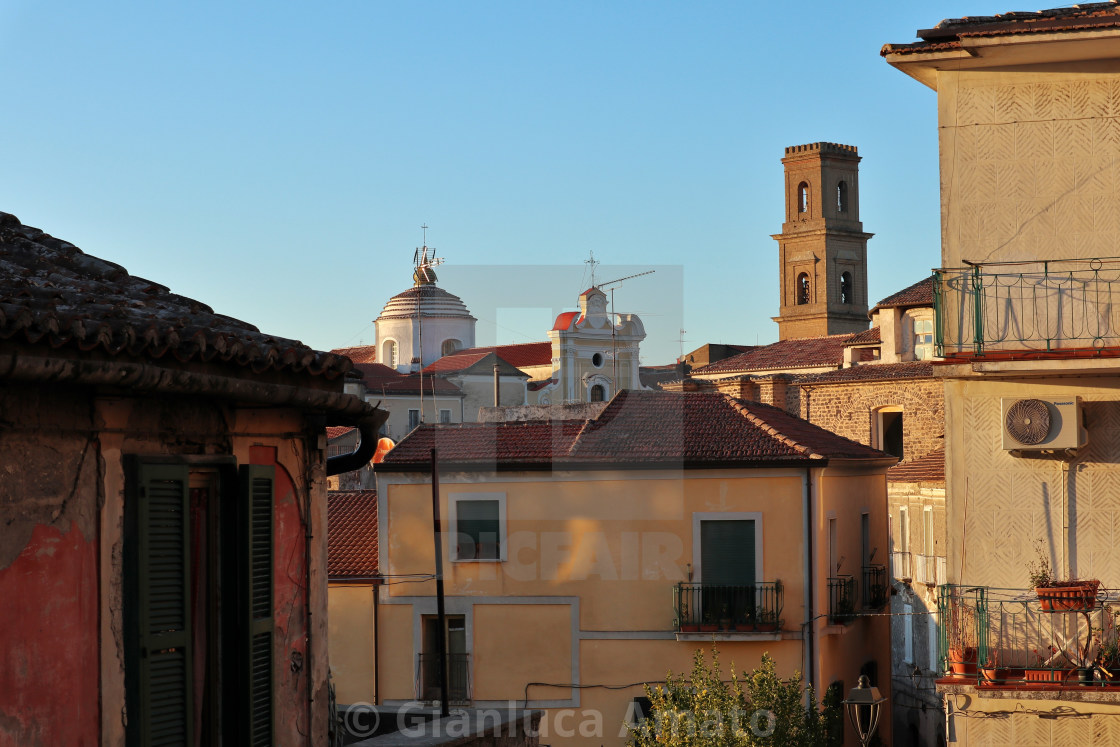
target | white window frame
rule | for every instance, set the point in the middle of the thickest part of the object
(755, 516)
(396, 353)
(928, 540)
(453, 526)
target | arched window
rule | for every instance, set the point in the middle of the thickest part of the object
(802, 289)
(389, 354)
(450, 346)
(598, 393)
(842, 197)
(803, 197)
(846, 286)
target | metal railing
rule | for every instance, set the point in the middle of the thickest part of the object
(458, 678)
(841, 599)
(1006, 636)
(1027, 306)
(748, 608)
(874, 586)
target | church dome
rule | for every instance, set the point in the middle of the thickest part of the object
(433, 300)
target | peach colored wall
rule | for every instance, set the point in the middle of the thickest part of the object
(351, 635)
(503, 663)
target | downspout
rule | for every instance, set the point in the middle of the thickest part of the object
(368, 428)
(808, 557)
(376, 647)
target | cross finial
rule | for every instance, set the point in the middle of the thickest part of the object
(591, 261)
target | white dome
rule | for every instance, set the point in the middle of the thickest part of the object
(434, 302)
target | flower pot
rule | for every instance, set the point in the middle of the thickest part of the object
(708, 627)
(962, 662)
(744, 627)
(1044, 675)
(1068, 596)
(689, 627)
(766, 627)
(1084, 676)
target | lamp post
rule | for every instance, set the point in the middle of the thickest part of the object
(864, 704)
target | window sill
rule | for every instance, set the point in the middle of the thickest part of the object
(730, 635)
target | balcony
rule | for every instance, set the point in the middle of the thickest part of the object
(1061, 307)
(875, 590)
(708, 608)
(1006, 639)
(918, 569)
(841, 599)
(458, 678)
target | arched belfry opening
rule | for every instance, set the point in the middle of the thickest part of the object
(822, 246)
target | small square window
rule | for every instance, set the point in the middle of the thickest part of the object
(478, 527)
(445, 416)
(413, 419)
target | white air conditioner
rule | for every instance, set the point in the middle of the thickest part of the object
(1042, 424)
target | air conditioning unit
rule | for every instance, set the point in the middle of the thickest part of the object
(1042, 424)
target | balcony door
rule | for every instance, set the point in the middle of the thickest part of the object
(458, 673)
(727, 567)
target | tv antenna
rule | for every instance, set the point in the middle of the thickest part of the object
(616, 283)
(424, 259)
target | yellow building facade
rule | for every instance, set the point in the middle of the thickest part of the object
(575, 576)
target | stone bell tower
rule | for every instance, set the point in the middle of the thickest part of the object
(822, 249)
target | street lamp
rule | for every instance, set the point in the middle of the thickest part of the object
(864, 704)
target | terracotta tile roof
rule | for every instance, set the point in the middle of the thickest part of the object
(928, 468)
(800, 353)
(520, 355)
(376, 373)
(334, 431)
(564, 321)
(949, 33)
(536, 386)
(360, 354)
(351, 533)
(871, 372)
(867, 337)
(53, 294)
(918, 294)
(702, 429)
(477, 363)
(409, 384)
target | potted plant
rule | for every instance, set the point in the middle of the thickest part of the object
(1043, 669)
(708, 625)
(961, 628)
(687, 624)
(1108, 647)
(1073, 594)
(724, 618)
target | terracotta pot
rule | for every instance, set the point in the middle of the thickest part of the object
(708, 627)
(962, 662)
(1045, 675)
(689, 628)
(1068, 596)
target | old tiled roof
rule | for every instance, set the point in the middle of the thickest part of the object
(949, 33)
(360, 354)
(474, 363)
(564, 320)
(918, 294)
(334, 431)
(521, 354)
(807, 352)
(702, 429)
(410, 384)
(536, 386)
(376, 373)
(351, 534)
(871, 372)
(929, 468)
(53, 294)
(867, 337)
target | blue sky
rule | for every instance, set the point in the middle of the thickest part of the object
(276, 160)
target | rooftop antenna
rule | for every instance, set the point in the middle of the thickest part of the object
(592, 263)
(421, 276)
(681, 340)
(617, 282)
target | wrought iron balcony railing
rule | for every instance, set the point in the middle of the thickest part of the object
(1003, 637)
(875, 587)
(1037, 306)
(458, 678)
(749, 608)
(841, 599)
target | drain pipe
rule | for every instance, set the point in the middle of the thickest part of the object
(368, 428)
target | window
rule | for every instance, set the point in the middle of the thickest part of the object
(842, 197)
(923, 339)
(903, 530)
(478, 526)
(598, 394)
(450, 346)
(833, 561)
(865, 538)
(198, 602)
(597, 360)
(727, 556)
(445, 416)
(389, 354)
(413, 419)
(803, 198)
(927, 531)
(803, 288)
(846, 288)
(889, 436)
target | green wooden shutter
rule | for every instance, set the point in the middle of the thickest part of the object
(256, 567)
(727, 552)
(164, 682)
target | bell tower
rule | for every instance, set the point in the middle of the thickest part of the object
(822, 249)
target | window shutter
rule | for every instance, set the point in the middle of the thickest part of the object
(727, 552)
(163, 687)
(256, 568)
